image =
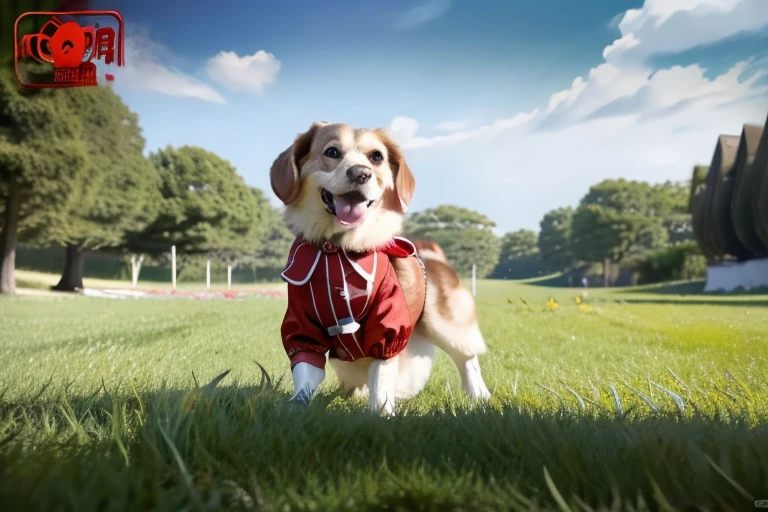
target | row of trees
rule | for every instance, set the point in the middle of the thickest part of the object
(73, 174)
(615, 220)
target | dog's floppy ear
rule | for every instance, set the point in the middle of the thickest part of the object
(285, 173)
(405, 182)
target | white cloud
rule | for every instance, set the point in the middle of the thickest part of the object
(249, 73)
(403, 130)
(450, 126)
(662, 26)
(622, 120)
(423, 13)
(146, 68)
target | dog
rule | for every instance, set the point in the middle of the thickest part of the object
(371, 303)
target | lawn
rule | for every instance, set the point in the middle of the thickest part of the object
(642, 399)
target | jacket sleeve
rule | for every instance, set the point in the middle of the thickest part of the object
(303, 340)
(388, 326)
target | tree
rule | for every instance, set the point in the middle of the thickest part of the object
(670, 203)
(554, 239)
(118, 190)
(205, 208)
(10, 10)
(271, 248)
(615, 219)
(519, 255)
(42, 163)
(466, 237)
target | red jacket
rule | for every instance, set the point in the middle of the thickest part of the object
(327, 284)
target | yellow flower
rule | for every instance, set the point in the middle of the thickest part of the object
(552, 304)
(585, 307)
(577, 300)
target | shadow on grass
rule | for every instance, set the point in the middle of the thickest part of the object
(678, 288)
(245, 448)
(700, 302)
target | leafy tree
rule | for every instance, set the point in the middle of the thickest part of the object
(465, 235)
(271, 248)
(519, 255)
(29, 121)
(615, 219)
(670, 203)
(205, 209)
(554, 239)
(10, 10)
(118, 189)
(43, 164)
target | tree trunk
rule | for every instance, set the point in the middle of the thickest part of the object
(72, 278)
(135, 269)
(8, 238)
(606, 272)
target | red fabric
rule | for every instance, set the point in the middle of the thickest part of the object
(326, 284)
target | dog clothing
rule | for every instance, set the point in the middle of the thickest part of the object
(349, 305)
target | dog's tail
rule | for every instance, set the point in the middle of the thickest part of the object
(429, 249)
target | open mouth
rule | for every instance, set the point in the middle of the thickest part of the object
(349, 208)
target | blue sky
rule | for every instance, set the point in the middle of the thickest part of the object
(508, 108)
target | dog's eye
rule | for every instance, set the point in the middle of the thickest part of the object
(376, 156)
(332, 152)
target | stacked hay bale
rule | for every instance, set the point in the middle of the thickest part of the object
(696, 205)
(745, 184)
(721, 228)
(759, 169)
(705, 222)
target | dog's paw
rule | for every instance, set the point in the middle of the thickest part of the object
(303, 397)
(478, 391)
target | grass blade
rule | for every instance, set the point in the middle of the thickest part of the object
(677, 398)
(555, 493)
(728, 479)
(617, 401)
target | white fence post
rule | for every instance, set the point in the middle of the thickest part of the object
(474, 285)
(173, 266)
(135, 269)
(208, 275)
(229, 277)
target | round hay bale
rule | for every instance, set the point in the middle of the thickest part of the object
(744, 186)
(719, 225)
(759, 169)
(697, 207)
(697, 183)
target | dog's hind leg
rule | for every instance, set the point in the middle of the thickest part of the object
(463, 345)
(352, 376)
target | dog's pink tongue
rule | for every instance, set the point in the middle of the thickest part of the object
(350, 213)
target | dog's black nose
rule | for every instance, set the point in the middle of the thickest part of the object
(359, 174)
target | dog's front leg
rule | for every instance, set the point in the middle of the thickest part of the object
(382, 380)
(306, 379)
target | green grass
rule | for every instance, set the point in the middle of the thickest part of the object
(650, 401)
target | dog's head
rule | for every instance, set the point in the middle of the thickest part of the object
(350, 185)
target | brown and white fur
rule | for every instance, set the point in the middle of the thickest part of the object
(298, 177)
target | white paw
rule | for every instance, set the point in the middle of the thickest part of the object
(479, 392)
